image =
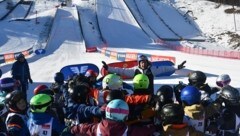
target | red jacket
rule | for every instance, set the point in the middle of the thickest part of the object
(112, 128)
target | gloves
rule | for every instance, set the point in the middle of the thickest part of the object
(30, 81)
(105, 66)
(181, 66)
(67, 132)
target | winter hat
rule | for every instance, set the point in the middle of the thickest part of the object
(7, 84)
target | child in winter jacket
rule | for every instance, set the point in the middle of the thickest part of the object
(172, 120)
(16, 121)
(41, 120)
(116, 113)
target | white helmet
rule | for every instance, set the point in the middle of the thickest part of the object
(223, 80)
(112, 82)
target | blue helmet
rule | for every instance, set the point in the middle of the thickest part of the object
(117, 110)
(59, 77)
(190, 95)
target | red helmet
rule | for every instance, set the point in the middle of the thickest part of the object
(91, 73)
(39, 88)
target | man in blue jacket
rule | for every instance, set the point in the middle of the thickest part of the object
(20, 71)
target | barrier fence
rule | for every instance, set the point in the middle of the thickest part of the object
(198, 51)
(128, 56)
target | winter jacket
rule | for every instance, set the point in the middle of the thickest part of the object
(229, 121)
(180, 130)
(112, 128)
(196, 115)
(150, 72)
(80, 113)
(16, 124)
(41, 119)
(20, 71)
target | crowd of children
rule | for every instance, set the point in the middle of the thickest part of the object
(82, 106)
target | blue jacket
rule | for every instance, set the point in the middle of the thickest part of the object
(43, 118)
(20, 71)
(81, 113)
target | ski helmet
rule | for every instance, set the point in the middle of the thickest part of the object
(197, 78)
(117, 110)
(79, 93)
(40, 102)
(13, 98)
(140, 81)
(39, 88)
(190, 95)
(230, 95)
(223, 80)
(59, 77)
(112, 82)
(165, 94)
(3, 108)
(7, 84)
(172, 113)
(91, 73)
(114, 94)
(143, 58)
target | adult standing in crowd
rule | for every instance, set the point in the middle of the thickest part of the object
(20, 71)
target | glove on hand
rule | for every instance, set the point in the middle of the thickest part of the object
(181, 66)
(105, 66)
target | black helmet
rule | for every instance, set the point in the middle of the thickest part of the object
(172, 114)
(115, 94)
(197, 78)
(13, 98)
(165, 94)
(230, 95)
(59, 77)
(79, 93)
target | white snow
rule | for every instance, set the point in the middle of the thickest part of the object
(122, 33)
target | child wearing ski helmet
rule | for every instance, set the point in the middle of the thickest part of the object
(195, 113)
(16, 121)
(229, 120)
(56, 106)
(77, 109)
(172, 120)
(110, 82)
(198, 79)
(41, 120)
(140, 112)
(116, 114)
(223, 80)
(165, 96)
(144, 67)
